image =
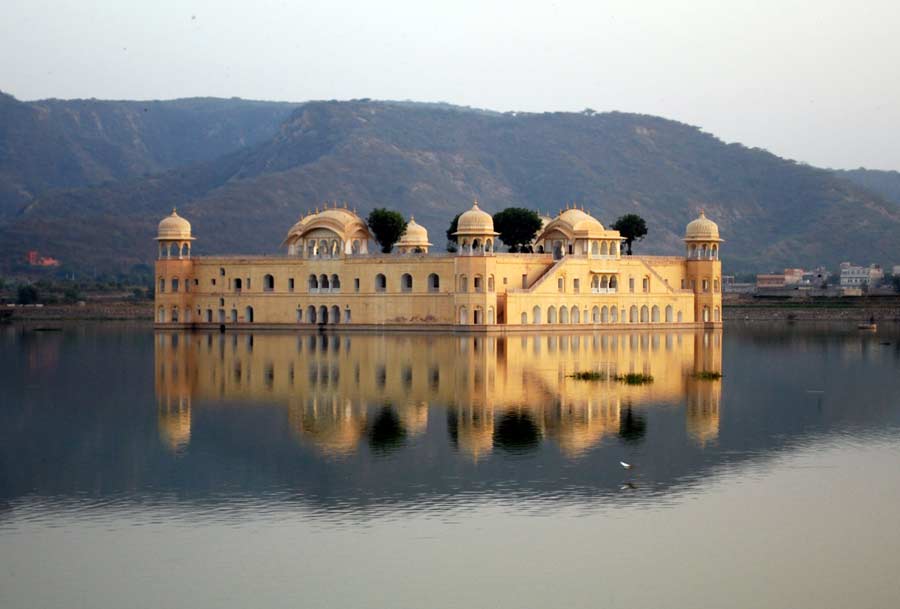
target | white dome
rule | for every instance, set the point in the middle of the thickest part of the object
(174, 227)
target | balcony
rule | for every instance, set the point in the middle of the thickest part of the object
(603, 290)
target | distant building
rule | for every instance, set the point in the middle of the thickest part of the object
(853, 276)
(35, 259)
(896, 270)
(770, 282)
(816, 278)
(793, 276)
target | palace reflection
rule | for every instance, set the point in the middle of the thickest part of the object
(510, 393)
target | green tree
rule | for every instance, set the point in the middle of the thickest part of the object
(451, 238)
(632, 227)
(896, 281)
(27, 294)
(387, 226)
(517, 227)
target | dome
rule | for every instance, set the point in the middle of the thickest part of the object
(415, 235)
(475, 222)
(702, 229)
(174, 227)
(329, 223)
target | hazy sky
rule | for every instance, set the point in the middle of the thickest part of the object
(815, 81)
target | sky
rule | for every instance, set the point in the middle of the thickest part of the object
(813, 81)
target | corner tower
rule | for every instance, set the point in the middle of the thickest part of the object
(174, 270)
(704, 269)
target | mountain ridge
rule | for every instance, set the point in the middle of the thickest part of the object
(433, 159)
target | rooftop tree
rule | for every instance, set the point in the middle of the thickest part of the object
(451, 238)
(387, 226)
(632, 227)
(517, 227)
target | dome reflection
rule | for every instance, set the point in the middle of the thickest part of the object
(515, 393)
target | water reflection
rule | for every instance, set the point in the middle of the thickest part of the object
(341, 392)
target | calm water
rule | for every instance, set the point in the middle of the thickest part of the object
(281, 470)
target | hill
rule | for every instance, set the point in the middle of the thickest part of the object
(433, 160)
(884, 183)
(55, 143)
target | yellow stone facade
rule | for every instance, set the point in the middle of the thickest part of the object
(577, 277)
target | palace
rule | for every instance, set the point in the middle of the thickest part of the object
(577, 277)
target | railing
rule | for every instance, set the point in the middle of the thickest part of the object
(603, 290)
(324, 290)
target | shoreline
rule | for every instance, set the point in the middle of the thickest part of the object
(831, 309)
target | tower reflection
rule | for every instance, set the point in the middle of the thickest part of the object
(343, 393)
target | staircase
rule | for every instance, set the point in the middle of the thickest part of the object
(659, 277)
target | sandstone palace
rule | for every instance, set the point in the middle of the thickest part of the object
(578, 276)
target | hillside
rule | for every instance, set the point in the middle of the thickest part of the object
(884, 183)
(432, 161)
(54, 143)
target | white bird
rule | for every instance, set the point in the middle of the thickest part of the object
(625, 465)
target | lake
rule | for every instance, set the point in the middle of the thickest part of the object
(143, 469)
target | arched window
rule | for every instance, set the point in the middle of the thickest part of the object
(654, 314)
(238, 284)
(536, 315)
(705, 314)
(614, 314)
(680, 317)
(323, 248)
(347, 316)
(161, 315)
(323, 282)
(354, 247)
(669, 313)
(479, 283)
(633, 314)
(477, 316)
(463, 283)
(595, 248)
(490, 283)
(490, 315)
(335, 282)
(575, 315)
(406, 282)
(524, 319)
(603, 315)
(234, 316)
(175, 285)
(248, 315)
(221, 271)
(174, 315)
(334, 316)
(162, 285)
(310, 314)
(563, 315)
(595, 283)
(551, 315)
(380, 282)
(463, 316)
(645, 314)
(604, 249)
(323, 314)
(716, 314)
(434, 283)
(613, 283)
(645, 284)
(489, 245)
(313, 283)
(268, 283)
